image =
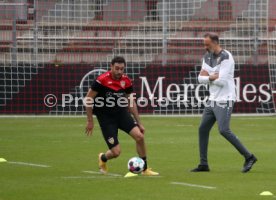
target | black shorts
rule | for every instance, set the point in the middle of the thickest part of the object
(110, 123)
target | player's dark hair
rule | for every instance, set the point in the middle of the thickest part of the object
(118, 59)
(213, 36)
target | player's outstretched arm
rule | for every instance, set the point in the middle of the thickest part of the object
(88, 102)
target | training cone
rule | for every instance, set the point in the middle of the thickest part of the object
(129, 174)
(3, 160)
(266, 193)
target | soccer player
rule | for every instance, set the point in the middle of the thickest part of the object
(218, 71)
(113, 103)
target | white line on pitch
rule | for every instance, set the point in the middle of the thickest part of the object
(193, 185)
(190, 125)
(87, 177)
(91, 172)
(108, 174)
(28, 164)
(258, 118)
(151, 176)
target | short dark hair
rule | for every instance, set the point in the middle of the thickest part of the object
(213, 36)
(118, 59)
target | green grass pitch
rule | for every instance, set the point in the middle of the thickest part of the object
(172, 150)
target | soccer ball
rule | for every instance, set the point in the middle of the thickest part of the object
(136, 165)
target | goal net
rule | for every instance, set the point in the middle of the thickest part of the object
(52, 50)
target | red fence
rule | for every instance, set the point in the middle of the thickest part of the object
(253, 86)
